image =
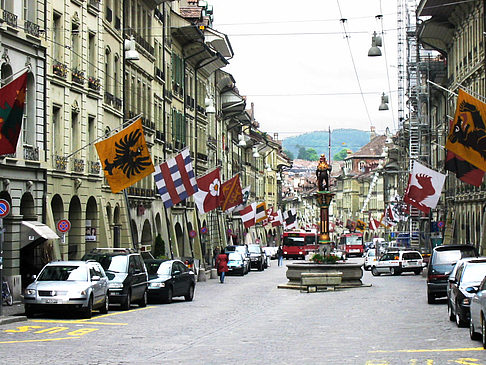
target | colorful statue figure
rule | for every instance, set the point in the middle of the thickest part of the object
(322, 174)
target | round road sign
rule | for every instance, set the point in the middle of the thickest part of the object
(192, 233)
(4, 208)
(63, 225)
(204, 230)
(440, 224)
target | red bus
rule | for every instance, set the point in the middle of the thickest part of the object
(296, 244)
(352, 244)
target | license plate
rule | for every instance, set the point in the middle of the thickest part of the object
(412, 262)
(51, 301)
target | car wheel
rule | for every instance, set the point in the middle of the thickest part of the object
(450, 314)
(472, 333)
(430, 298)
(374, 271)
(127, 303)
(168, 298)
(143, 302)
(483, 331)
(394, 271)
(88, 312)
(459, 321)
(190, 294)
(418, 271)
(260, 266)
(106, 304)
(242, 272)
(367, 268)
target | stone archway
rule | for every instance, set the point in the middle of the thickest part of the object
(147, 238)
(27, 207)
(76, 238)
(116, 227)
(179, 239)
(158, 224)
(57, 208)
(91, 224)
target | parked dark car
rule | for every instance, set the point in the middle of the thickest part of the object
(126, 273)
(468, 275)
(169, 279)
(441, 263)
(257, 257)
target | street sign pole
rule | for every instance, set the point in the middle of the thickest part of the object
(1, 263)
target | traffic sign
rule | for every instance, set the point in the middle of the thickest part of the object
(63, 225)
(204, 230)
(229, 231)
(4, 208)
(440, 224)
(192, 233)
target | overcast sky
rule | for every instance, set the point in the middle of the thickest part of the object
(298, 63)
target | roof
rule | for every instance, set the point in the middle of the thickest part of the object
(372, 149)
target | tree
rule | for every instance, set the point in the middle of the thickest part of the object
(308, 154)
(159, 247)
(302, 153)
(289, 154)
(341, 155)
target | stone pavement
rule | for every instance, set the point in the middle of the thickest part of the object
(14, 313)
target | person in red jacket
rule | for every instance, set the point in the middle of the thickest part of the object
(222, 266)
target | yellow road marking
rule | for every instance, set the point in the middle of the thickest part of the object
(115, 314)
(44, 340)
(76, 322)
(429, 350)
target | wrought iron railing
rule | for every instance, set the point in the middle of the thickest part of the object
(31, 28)
(31, 153)
(60, 162)
(10, 18)
(94, 167)
(78, 165)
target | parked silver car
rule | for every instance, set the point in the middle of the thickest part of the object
(68, 285)
(477, 324)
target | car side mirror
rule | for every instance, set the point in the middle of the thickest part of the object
(96, 278)
(177, 272)
(34, 277)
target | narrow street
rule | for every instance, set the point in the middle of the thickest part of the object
(249, 320)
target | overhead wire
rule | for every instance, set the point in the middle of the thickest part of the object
(386, 67)
(343, 22)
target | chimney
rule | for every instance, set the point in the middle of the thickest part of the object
(372, 133)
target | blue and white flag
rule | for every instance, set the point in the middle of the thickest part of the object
(175, 179)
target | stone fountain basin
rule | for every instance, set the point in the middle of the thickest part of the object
(351, 273)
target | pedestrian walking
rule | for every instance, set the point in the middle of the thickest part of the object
(280, 255)
(222, 266)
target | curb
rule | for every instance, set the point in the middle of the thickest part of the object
(12, 319)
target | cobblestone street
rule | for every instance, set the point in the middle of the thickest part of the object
(249, 320)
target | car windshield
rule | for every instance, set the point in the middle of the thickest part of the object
(371, 253)
(411, 256)
(450, 256)
(474, 272)
(117, 263)
(165, 268)
(254, 249)
(354, 240)
(63, 273)
(241, 249)
(234, 257)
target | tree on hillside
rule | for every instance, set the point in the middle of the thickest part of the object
(308, 154)
(289, 154)
(341, 155)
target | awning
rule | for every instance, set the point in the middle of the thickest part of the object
(436, 34)
(33, 230)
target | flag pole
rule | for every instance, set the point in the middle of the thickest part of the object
(129, 121)
(134, 244)
(168, 232)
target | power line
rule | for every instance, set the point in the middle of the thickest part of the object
(318, 94)
(343, 22)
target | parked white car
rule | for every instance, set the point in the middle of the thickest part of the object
(396, 262)
(370, 259)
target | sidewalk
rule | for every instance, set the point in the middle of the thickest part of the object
(15, 313)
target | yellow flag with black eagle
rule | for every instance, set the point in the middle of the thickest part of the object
(125, 157)
(360, 225)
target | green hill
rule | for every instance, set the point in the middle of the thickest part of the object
(352, 139)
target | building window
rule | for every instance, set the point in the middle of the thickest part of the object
(91, 138)
(56, 132)
(92, 54)
(75, 46)
(107, 70)
(57, 39)
(74, 131)
(116, 74)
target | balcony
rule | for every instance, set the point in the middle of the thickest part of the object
(117, 103)
(59, 69)
(31, 153)
(109, 98)
(141, 192)
(202, 157)
(94, 83)
(31, 28)
(159, 73)
(78, 165)
(77, 76)
(141, 41)
(159, 135)
(60, 162)
(94, 167)
(168, 94)
(10, 18)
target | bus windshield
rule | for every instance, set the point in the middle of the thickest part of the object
(354, 240)
(299, 241)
